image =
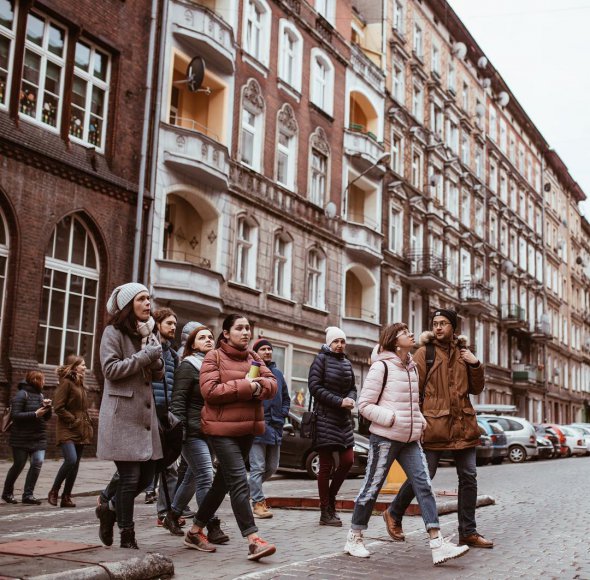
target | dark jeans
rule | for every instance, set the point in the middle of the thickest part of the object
(72, 453)
(133, 478)
(467, 473)
(232, 453)
(20, 457)
(344, 460)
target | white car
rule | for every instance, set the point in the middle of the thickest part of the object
(574, 441)
(584, 432)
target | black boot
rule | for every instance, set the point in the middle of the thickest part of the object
(327, 518)
(214, 532)
(107, 520)
(171, 523)
(128, 539)
(332, 508)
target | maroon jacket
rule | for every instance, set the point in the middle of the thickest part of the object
(230, 408)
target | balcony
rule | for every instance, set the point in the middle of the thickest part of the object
(524, 375)
(363, 240)
(475, 298)
(187, 280)
(361, 328)
(367, 69)
(514, 316)
(428, 270)
(196, 154)
(542, 332)
(358, 142)
(204, 33)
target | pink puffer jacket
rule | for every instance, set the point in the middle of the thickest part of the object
(397, 416)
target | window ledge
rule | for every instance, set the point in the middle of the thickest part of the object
(255, 63)
(240, 286)
(287, 88)
(315, 309)
(282, 299)
(321, 111)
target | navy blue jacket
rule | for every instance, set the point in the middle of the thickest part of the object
(170, 363)
(28, 431)
(275, 410)
(331, 379)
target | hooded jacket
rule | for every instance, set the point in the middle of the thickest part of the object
(70, 404)
(231, 410)
(393, 408)
(28, 431)
(450, 416)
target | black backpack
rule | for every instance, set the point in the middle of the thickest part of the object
(430, 356)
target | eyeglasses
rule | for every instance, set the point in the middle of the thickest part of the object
(404, 333)
(441, 324)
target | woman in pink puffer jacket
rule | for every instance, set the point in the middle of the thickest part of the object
(390, 400)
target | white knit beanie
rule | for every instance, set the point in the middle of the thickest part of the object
(332, 333)
(122, 295)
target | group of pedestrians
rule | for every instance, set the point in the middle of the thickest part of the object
(232, 401)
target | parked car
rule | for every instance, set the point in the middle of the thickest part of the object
(585, 430)
(563, 448)
(574, 441)
(484, 450)
(549, 435)
(498, 437)
(296, 452)
(585, 434)
(521, 436)
(546, 449)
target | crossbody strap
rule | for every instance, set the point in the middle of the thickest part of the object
(385, 374)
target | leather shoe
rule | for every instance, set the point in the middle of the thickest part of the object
(9, 498)
(66, 502)
(31, 500)
(394, 529)
(52, 496)
(475, 541)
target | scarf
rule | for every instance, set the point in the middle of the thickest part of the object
(144, 329)
(196, 359)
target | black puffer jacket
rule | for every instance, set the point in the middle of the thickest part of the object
(187, 400)
(331, 379)
(28, 431)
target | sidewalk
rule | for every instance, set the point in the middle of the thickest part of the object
(90, 560)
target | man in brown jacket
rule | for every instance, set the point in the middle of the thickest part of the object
(455, 373)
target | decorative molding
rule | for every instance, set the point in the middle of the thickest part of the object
(287, 119)
(319, 141)
(253, 95)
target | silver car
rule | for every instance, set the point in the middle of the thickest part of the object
(522, 439)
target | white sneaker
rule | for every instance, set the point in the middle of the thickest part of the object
(443, 550)
(355, 546)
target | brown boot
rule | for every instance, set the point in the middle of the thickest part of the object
(52, 496)
(394, 529)
(66, 501)
(475, 541)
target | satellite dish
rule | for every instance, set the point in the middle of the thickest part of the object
(508, 267)
(195, 73)
(482, 62)
(503, 98)
(486, 83)
(330, 210)
(480, 110)
(460, 50)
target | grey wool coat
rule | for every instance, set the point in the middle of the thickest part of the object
(127, 422)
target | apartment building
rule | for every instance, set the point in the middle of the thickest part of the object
(71, 112)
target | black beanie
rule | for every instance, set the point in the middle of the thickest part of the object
(260, 343)
(450, 315)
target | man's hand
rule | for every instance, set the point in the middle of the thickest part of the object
(347, 403)
(468, 356)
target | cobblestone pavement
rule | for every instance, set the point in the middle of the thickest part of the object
(539, 524)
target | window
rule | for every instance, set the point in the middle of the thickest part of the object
(257, 30)
(44, 62)
(503, 135)
(466, 208)
(493, 178)
(322, 81)
(415, 324)
(299, 376)
(398, 16)
(319, 168)
(435, 64)
(286, 147)
(452, 264)
(246, 248)
(399, 83)
(326, 9)
(397, 154)
(465, 148)
(436, 120)
(493, 231)
(4, 251)
(417, 169)
(452, 136)
(290, 54)
(282, 265)
(252, 127)
(493, 351)
(416, 236)
(479, 163)
(503, 187)
(7, 29)
(90, 90)
(493, 124)
(394, 310)
(452, 198)
(316, 278)
(418, 42)
(70, 290)
(418, 102)
(465, 97)
(396, 238)
(494, 287)
(452, 78)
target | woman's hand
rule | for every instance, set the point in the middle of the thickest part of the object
(347, 403)
(254, 383)
(154, 351)
(41, 411)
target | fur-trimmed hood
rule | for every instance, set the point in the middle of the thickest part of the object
(461, 341)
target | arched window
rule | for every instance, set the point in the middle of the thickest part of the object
(290, 54)
(4, 251)
(319, 167)
(70, 288)
(316, 279)
(287, 138)
(282, 263)
(256, 30)
(246, 251)
(322, 81)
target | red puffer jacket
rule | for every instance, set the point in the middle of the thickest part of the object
(230, 408)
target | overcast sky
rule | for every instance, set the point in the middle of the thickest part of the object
(542, 50)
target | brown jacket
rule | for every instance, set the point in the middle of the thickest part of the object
(450, 416)
(230, 409)
(70, 404)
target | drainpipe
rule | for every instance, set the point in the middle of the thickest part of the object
(544, 270)
(155, 146)
(144, 140)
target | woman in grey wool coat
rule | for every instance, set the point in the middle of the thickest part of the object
(130, 356)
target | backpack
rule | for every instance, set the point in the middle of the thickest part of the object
(430, 356)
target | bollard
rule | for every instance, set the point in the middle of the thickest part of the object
(395, 478)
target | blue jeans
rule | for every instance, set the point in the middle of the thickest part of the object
(231, 476)
(467, 498)
(264, 461)
(72, 453)
(169, 479)
(20, 457)
(198, 477)
(382, 453)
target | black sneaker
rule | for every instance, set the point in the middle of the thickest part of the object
(107, 520)
(214, 532)
(31, 500)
